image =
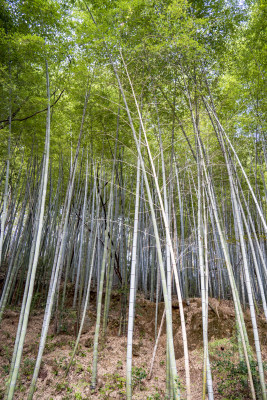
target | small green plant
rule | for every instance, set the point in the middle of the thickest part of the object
(22, 388)
(50, 345)
(63, 327)
(180, 385)
(7, 334)
(71, 343)
(60, 363)
(79, 368)
(139, 374)
(158, 395)
(28, 367)
(5, 369)
(7, 352)
(115, 384)
(81, 353)
(62, 387)
(155, 396)
(142, 334)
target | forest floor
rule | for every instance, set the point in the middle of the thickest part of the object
(230, 379)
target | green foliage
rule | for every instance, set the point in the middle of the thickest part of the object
(234, 379)
(138, 377)
(79, 368)
(5, 369)
(78, 396)
(64, 386)
(233, 374)
(114, 384)
(155, 396)
(59, 365)
(28, 367)
(81, 353)
(158, 395)
(170, 34)
(171, 48)
(7, 352)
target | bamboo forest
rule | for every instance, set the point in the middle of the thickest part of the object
(133, 199)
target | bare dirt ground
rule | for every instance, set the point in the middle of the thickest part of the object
(229, 381)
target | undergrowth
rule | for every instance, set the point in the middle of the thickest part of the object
(232, 372)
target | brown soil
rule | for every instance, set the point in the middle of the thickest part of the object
(52, 383)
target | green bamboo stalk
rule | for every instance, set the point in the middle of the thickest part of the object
(132, 288)
(4, 211)
(58, 257)
(35, 249)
